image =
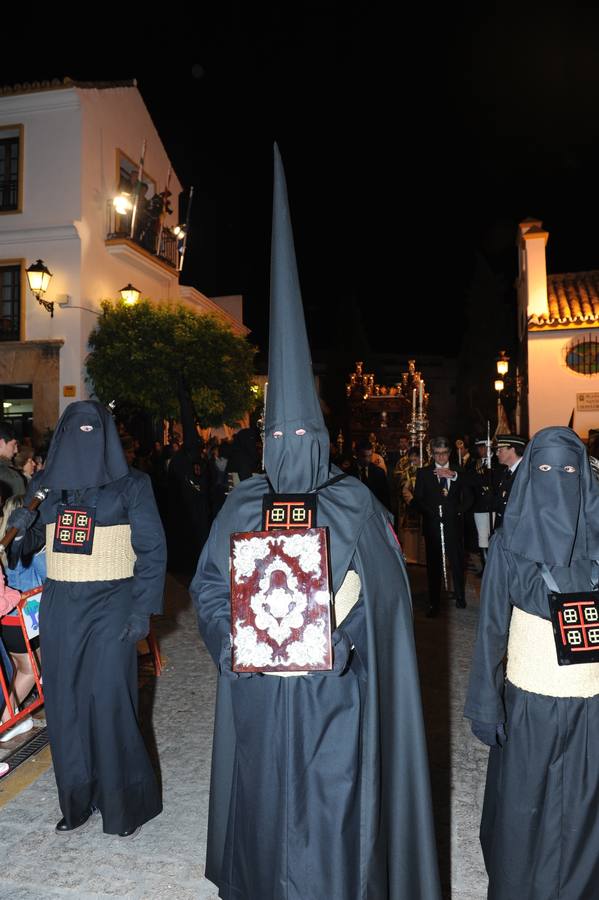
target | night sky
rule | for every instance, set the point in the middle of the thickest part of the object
(412, 150)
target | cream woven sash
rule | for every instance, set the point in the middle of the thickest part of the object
(532, 661)
(112, 556)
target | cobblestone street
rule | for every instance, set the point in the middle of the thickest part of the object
(168, 857)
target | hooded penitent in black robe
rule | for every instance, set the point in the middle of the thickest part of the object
(90, 675)
(320, 784)
(540, 829)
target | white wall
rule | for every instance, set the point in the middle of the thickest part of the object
(46, 229)
(71, 137)
(51, 164)
(553, 386)
(116, 118)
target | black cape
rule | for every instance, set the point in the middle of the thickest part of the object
(539, 829)
(320, 783)
(90, 676)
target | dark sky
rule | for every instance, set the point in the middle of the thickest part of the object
(410, 147)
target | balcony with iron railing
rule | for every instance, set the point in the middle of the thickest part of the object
(147, 235)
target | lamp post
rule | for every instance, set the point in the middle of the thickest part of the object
(512, 388)
(503, 364)
(499, 386)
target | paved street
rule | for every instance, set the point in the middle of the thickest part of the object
(167, 858)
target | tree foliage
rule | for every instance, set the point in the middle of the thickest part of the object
(138, 354)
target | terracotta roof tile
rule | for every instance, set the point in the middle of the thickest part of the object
(573, 300)
(56, 84)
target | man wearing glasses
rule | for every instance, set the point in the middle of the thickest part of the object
(442, 495)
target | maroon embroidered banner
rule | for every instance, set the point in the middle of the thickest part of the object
(280, 601)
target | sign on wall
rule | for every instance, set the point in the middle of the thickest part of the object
(69, 390)
(587, 402)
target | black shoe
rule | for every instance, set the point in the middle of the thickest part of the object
(131, 833)
(460, 603)
(63, 828)
(432, 611)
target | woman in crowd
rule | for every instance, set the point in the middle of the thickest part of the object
(24, 564)
(25, 462)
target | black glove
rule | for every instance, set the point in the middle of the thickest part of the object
(491, 735)
(136, 628)
(21, 519)
(341, 653)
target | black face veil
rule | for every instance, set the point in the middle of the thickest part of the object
(552, 515)
(296, 441)
(85, 450)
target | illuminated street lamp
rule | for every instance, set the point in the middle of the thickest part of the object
(502, 364)
(499, 385)
(38, 276)
(130, 294)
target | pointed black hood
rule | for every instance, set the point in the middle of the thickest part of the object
(552, 515)
(296, 441)
(85, 450)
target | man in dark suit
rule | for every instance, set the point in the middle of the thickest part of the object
(510, 448)
(442, 495)
(370, 474)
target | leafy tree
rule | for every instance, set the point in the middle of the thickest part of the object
(138, 354)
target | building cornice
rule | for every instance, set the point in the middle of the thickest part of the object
(206, 306)
(34, 235)
(15, 105)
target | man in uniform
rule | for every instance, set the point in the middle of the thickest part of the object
(510, 448)
(481, 481)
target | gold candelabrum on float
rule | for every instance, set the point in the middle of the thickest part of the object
(361, 384)
(418, 424)
(362, 387)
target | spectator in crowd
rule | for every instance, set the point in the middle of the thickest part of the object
(370, 474)
(25, 462)
(11, 480)
(24, 564)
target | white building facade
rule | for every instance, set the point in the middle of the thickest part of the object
(66, 150)
(558, 321)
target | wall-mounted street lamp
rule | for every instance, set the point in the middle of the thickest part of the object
(503, 364)
(130, 294)
(499, 385)
(38, 276)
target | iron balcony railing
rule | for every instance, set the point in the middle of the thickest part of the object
(147, 233)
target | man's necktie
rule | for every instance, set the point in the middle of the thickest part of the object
(443, 482)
